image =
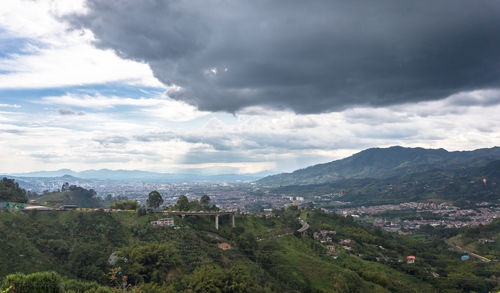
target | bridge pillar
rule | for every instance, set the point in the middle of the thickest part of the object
(217, 222)
(232, 219)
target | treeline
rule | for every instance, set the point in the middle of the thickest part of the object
(184, 204)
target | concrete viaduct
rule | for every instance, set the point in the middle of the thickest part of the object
(205, 213)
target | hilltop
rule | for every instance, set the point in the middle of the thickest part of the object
(381, 163)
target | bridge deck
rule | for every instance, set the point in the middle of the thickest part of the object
(201, 213)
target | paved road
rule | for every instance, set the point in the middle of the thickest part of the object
(305, 226)
(482, 258)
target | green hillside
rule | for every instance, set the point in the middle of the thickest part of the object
(459, 184)
(384, 163)
(91, 249)
(484, 241)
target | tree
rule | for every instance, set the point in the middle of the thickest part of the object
(65, 187)
(183, 203)
(10, 191)
(81, 197)
(154, 199)
(212, 279)
(150, 263)
(205, 202)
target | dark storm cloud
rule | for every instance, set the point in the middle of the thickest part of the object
(309, 56)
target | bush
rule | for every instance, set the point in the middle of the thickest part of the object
(125, 205)
(79, 286)
(141, 212)
(44, 282)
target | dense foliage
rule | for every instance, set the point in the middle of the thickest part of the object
(184, 204)
(125, 205)
(98, 251)
(11, 192)
(154, 199)
(71, 195)
(384, 163)
(485, 240)
(459, 184)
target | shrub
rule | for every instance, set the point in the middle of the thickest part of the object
(43, 282)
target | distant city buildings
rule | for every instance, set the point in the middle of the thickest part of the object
(443, 214)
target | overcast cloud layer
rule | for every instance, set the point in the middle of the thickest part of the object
(308, 56)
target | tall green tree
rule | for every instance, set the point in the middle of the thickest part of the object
(154, 199)
(205, 201)
(10, 191)
(183, 203)
(81, 197)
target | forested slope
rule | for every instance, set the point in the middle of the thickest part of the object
(267, 254)
(384, 163)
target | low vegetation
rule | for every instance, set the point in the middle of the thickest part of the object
(125, 205)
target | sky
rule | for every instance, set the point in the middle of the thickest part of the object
(233, 86)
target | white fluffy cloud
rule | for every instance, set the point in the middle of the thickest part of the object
(51, 55)
(160, 107)
(137, 139)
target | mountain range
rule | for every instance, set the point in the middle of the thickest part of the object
(378, 163)
(142, 176)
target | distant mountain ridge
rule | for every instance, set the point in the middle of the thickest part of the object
(142, 176)
(384, 163)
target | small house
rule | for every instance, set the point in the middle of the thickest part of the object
(464, 257)
(348, 248)
(410, 259)
(224, 246)
(346, 241)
